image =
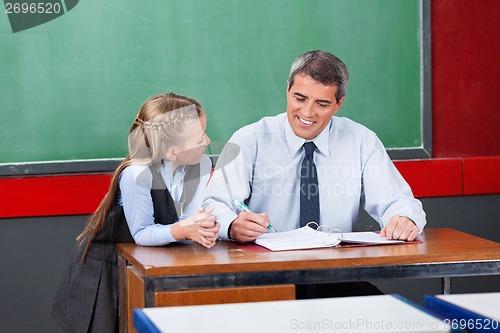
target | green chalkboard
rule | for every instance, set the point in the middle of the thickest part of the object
(70, 88)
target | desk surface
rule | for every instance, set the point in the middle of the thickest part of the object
(383, 313)
(443, 253)
(441, 248)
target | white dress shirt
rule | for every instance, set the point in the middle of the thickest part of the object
(135, 184)
(353, 170)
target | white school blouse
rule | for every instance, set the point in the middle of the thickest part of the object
(135, 184)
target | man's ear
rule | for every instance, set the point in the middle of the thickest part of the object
(339, 104)
(171, 154)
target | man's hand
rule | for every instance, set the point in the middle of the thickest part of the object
(400, 227)
(248, 226)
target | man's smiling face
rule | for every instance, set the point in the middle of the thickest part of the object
(310, 106)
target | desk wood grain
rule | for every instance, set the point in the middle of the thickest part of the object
(438, 246)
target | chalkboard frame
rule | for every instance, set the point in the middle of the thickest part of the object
(108, 165)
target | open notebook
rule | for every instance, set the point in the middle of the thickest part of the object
(311, 236)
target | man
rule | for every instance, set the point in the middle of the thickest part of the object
(310, 165)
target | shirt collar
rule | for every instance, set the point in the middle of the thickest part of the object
(295, 143)
(166, 172)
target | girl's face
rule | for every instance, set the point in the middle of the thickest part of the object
(194, 140)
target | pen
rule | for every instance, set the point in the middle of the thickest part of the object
(246, 209)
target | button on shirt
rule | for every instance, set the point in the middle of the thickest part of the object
(135, 184)
(353, 169)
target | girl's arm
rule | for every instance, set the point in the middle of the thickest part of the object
(135, 185)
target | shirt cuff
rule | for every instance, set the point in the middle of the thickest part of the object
(225, 219)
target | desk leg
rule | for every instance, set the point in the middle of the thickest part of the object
(446, 285)
(122, 294)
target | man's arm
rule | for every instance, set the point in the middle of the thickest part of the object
(387, 197)
(231, 180)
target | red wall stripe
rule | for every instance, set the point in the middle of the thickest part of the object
(52, 195)
(481, 175)
(81, 194)
(433, 178)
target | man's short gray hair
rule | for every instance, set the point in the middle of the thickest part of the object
(322, 67)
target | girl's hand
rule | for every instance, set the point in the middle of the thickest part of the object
(200, 227)
(209, 228)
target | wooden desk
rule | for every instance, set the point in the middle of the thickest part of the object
(151, 276)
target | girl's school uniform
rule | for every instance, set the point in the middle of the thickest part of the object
(87, 297)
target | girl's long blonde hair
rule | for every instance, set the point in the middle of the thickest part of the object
(149, 137)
